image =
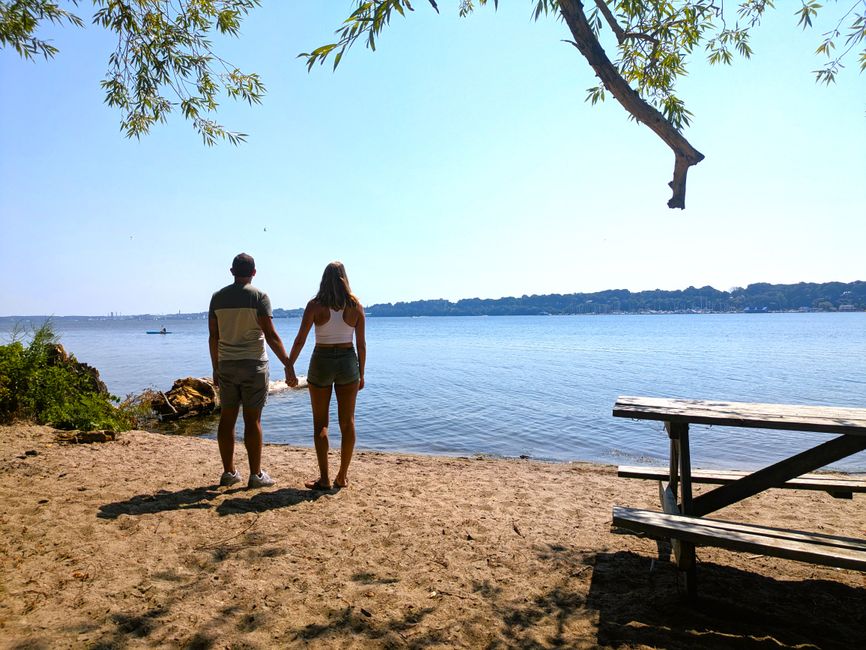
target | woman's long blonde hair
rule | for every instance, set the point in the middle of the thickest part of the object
(334, 290)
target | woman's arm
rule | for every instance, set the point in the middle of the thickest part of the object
(361, 344)
(298, 345)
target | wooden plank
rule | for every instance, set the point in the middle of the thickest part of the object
(721, 408)
(827, 550)
(669, 505)
(684, 524)
(668, 500)
(686, 558)
(674, 466)
(777, 474)
(821, 482)
(792, 417)
(679, 431)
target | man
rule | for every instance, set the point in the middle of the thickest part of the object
(240, 320)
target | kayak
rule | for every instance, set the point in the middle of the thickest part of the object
(156, 332)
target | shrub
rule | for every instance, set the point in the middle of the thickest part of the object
(38, 382)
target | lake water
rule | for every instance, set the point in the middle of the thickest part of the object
(540, 386)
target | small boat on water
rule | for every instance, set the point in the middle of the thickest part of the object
(163, 331)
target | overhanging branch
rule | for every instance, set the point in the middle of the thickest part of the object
(685, 155)
(605, 11)
(621, 35)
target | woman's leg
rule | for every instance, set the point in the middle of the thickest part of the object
(347, 395)
(320, 400)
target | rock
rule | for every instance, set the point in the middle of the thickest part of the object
(57, 356)
(188, 397)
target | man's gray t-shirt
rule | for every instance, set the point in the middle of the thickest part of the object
(237, 308)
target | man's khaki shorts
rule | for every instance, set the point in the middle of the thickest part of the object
(244, 382)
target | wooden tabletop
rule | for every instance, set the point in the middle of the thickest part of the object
(791, 417)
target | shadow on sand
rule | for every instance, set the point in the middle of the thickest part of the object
(606, 599)
(200, 498)
(734, 608)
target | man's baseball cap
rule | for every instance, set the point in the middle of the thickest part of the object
(243, 265)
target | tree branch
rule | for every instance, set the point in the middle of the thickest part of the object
(611, 20)
(621, 34)
(685, 155)
(641, 37)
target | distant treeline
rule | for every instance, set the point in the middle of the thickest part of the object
(760, 297)
(288, 313)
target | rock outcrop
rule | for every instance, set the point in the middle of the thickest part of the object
(188, 397)
(58, 356)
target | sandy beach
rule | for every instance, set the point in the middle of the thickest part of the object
(131, 544)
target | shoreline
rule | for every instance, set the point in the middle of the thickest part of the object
(131, 544)
(643, 461)
(198, 316)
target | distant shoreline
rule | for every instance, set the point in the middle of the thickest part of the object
(760, 298)
(203, 315)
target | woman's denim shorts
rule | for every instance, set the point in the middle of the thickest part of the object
(333, 366)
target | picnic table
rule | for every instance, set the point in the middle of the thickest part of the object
(683, 515)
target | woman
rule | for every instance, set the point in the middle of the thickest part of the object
(337, 316)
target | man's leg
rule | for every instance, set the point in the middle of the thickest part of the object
(226, 436)
(254, 395)
(253, 438)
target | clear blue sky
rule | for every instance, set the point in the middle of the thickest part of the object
(458, 160)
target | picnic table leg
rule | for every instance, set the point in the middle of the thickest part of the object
(668, 497)
(675, 461)
(685, 557)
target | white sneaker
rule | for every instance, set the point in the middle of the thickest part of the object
(230, 478)
(260, 480)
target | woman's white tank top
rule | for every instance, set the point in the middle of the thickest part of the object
(335, 330)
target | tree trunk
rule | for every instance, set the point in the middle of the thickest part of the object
(685, 155)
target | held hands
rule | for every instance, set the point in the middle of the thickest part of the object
(291, 379)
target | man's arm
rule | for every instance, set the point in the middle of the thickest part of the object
(276, 344)
(213, 341)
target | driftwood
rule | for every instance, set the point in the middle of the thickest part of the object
(83, 437)
(188, 397)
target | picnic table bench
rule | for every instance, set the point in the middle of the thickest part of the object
(682, 517)
(840, 487)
